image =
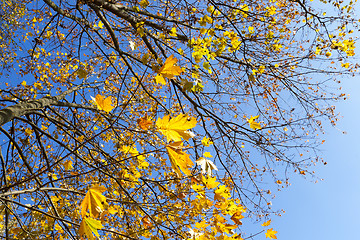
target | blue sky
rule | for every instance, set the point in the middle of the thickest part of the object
(330, 208)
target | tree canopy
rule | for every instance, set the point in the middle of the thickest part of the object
(159, 119)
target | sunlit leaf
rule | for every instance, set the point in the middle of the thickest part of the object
(254, 125)
(159, 79)
(94, 201)
(176, 128)
(206, 166)
(236, 217)
(206, 141)
(267, 223)
(168, 70)
(89, 226)
(270, 233)
(210, 182)
(100, 24)
(179, 159)
(103, 104)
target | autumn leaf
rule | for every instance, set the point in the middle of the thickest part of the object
(93, 201)
(168, 70)
(210, 182)
(100, 24)
(146, 222)
(103, 104)
(82, 73)
(68, 165)
(221, 192)
(254, 125)
(270, 233)
(206, 141)
(179, 159)
(176, 128)
(206, 166)
(144, 122)
(88, 226)
(267, 223)
(159, 79)
(236, 217)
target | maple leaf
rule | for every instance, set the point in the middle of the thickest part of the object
(103, 104)
(88, 226)
(206, 141)
(206, 166)
(221, 192)
(93, 201)
(144, 122)
(68, 165)
(236, 217)
(146, 222)
(267, 223)
(270, 233)
(168, 70)
(254, 125)
(179, 159)
(210, 182)
(176, 128)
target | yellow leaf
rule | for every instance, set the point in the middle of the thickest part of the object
(89, 226)
(221, 192)
(207, 154)
(237, 216)
(270, 233)
(173, 32)
(175, 129)
(179, 159)
(93, 201)
(159, 79)
(103, 104)
(254, 125)
(267, 223)
(206, 141)
(68, 165)
(210, 182)
(57, 227)
(112, 210)
(100, 24)
(169, 70)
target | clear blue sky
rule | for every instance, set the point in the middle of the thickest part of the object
(329, 209)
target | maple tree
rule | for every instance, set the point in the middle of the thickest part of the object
(161, 119)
